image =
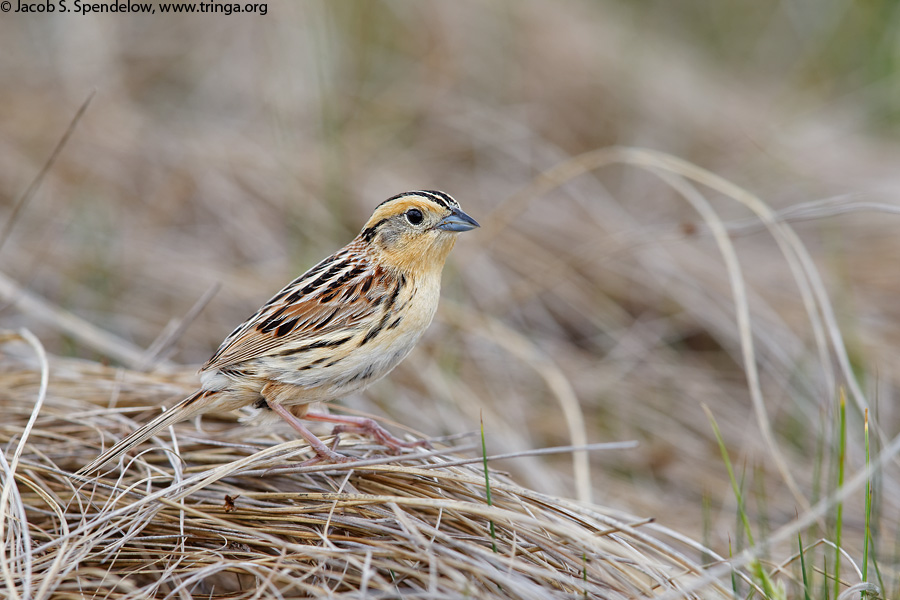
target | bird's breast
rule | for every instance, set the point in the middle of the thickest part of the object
(369, 353)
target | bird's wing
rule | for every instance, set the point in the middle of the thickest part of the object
(324, 308)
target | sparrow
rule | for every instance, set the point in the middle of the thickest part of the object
(333, 331)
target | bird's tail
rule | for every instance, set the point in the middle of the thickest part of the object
(187, 408)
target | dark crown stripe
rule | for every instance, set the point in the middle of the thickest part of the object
(439, 198)
(431, 196)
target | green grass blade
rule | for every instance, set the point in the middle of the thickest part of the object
(735, 486)
(867, 537)
(839, 518)
(806, 595)
(756, 566)
(487, 484)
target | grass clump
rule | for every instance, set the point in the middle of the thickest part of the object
(224, 514)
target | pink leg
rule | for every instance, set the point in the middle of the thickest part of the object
(367, 426)
(322, 451)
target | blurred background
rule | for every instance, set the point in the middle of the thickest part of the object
(239, 150)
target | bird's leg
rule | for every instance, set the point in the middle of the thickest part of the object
(323, 452)
(367, 426)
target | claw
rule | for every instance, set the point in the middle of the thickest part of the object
(327, 457)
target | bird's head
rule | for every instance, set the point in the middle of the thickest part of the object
(415, 231)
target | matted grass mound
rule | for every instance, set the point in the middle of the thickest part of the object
(214, 517)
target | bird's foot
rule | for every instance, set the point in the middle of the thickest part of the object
(366, 426)
(323, 452)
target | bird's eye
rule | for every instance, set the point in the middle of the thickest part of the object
(414, 216)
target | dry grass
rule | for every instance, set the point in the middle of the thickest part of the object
(217, 519)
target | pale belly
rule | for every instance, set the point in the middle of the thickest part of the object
(337, 373)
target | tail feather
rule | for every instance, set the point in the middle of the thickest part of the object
(187, 408)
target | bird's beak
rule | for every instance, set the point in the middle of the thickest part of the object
(457, 221)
